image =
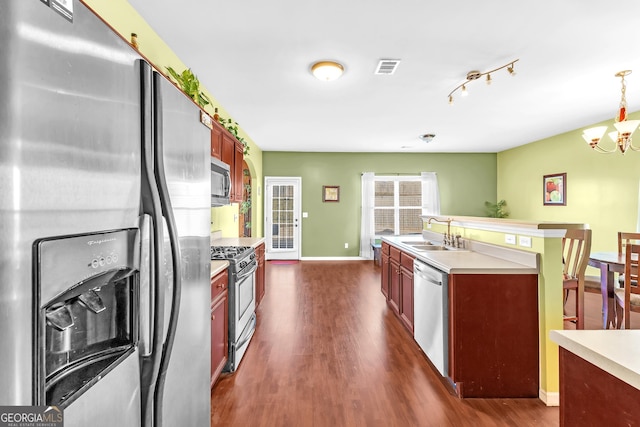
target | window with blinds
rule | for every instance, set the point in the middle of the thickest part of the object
(397, 205)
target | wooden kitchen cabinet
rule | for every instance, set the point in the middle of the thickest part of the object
(406, 290)
(384, 258)
(227, 148)
(394, 280)
(260, 273)
(216, 141)
(236, 172)
(219, 324)
(493, 335)
(397, 282)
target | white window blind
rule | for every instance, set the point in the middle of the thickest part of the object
(392, 205)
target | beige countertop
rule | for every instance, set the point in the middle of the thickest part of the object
(464, 261)
(218, 240)
(218, 266)
(615, 351)
(237, 241)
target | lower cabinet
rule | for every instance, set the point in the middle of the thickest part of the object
(384, 260)
(493, 335)
(260, 274)
(406, 290)
(397, 283)
(492, 341)
(219, 324)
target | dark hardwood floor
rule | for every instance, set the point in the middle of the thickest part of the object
(328, 352)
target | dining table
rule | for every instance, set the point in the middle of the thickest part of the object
(608, 263)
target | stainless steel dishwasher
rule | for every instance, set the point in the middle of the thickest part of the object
(430, 313)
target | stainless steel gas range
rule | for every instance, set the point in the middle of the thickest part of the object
(242, 299)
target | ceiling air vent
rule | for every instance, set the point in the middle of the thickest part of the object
(387, 66)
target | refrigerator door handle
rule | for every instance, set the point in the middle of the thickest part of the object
(151, 207)
(176, 258)
(147, 291)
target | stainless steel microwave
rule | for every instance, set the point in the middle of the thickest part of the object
(220, 183)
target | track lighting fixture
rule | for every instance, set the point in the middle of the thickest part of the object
(475, 75)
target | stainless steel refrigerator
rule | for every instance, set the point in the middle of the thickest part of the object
(104, 226)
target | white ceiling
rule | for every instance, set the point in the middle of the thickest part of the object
(254, 57)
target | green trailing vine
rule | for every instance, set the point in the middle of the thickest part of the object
(190, 85)
(232, 127)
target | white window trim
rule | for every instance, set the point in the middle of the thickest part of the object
(430, 203)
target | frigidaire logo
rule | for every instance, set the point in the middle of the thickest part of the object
(101, 241)
(31, 416)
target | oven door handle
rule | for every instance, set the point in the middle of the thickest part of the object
(254, 267)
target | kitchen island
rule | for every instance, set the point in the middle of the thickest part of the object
(543, 238)
(484, 319)
(599, 377)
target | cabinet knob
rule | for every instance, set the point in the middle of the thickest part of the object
(213, 316)
(221, 285)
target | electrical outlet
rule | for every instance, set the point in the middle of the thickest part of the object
(510, 239)
(524, 241)
(346, 246)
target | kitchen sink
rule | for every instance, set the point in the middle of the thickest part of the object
(430, 248)
(418, 242)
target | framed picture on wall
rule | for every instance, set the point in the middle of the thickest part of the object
(330, 193)
(554, 189)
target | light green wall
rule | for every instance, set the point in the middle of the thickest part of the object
(465, 181)
(602, 189)
(124, 19)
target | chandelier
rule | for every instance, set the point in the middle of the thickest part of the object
(475, 75)
(624, 128)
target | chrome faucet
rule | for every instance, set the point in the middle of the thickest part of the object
(448, 238)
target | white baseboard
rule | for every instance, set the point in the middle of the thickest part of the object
(550, 399)
(334, 258)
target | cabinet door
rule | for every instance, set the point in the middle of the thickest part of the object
(216, 141)
(493, 332)
(384, 275)
(228, 150)
(219, 338)
(394, 285)
(406, 290)
(219, 284)
(237, 180)
(406, 298)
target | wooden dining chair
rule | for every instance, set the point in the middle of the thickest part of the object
(576, 246)
(625, 238)
(628, 297)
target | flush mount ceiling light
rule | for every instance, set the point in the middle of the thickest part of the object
(327, 70)
(427, 137)
(624, 128)
(475, 75)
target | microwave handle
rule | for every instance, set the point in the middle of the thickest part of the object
(227, 185)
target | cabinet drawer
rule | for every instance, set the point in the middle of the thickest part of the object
(385, 248)
(218, 284)
(394, 253)
(406, 261)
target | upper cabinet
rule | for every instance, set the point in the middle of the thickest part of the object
(216, 141)
(227, 148)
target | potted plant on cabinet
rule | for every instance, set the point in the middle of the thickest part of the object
(190, 85)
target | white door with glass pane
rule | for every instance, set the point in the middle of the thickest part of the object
(282, 217)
